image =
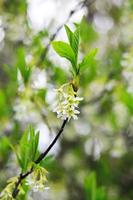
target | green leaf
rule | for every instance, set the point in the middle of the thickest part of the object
(31, 142)
(25, 150)
(28, 147)
(127, 99)
(88, 60)
(69, 34)
(34, 140)
(92, 191)
(64, 50)
(101, 194)
(90, 186)
(3, 104)
(17, 155)
(73, 39)
(87, 33)
(21, 64)
(5, 146)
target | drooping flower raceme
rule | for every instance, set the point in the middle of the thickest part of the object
(7, 192)
(67, 103)
(37, 179)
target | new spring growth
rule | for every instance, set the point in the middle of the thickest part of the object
(67, 102)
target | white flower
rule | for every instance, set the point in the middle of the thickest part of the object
(38, 79)
(23, 106)
(67, 103)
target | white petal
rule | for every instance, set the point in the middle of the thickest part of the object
(76, 112)
(75, 117)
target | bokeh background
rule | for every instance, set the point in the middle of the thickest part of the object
(93, 160)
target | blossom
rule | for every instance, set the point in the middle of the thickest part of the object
(23, 106)
(7, 192)
(37, 179)
(67, 103)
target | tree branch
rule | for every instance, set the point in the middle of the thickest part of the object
(79, 6)
(43, 155)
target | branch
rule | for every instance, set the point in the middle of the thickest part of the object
(43, 155)
(39, 159)
(79, 6)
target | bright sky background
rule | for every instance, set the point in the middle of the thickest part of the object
(43, 13)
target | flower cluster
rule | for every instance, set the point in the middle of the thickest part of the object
(7, 192)
(37, 179)
(67, 102)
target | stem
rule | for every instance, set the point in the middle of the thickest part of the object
(40, 158)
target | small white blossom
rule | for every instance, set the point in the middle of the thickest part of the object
(38, 79)
(23, 106)
(67, 103)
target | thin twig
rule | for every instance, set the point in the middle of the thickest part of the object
(43, 155)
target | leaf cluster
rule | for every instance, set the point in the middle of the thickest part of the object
(70, 51)
(28, 148)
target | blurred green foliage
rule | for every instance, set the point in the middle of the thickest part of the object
(95, 158)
